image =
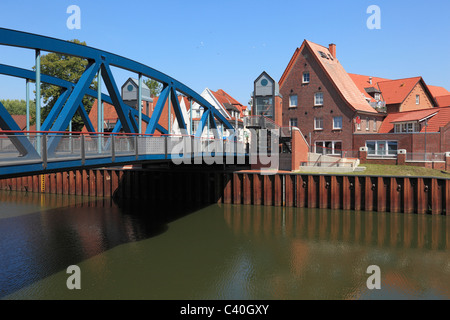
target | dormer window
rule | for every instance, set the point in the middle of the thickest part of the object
(407, 127)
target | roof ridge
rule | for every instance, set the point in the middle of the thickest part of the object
(418, 77)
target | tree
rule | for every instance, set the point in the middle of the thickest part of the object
(154, 86)
(19, 107)
(68, 68)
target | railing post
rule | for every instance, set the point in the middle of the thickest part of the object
(136, 146)
(113, 149)
(44, 152)
(83, 151)
(165, 146)
(38, 99)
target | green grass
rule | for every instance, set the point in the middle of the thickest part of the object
(390, 170)
(397, 170)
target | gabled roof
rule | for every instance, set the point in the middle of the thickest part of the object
(437, 118)
(396, 91)
(227, 101)
(336, 73)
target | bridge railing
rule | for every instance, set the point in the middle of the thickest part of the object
(66, 146)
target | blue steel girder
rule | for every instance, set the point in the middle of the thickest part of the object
(203, 122)
(177, 110)
(18, 139)
(157, 111)
(102, 59)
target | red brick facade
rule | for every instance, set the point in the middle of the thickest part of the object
(334, 105)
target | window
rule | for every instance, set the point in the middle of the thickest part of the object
(374, 125)
(293, 122)
(329, 147)
(377, 96)
(318, 99)
(382, 148)
(318, 123)
(417, 99)
(358, 123)
(337, 123)
(407, 127)
(367, 124)
(305, 77)
(293, 101)
(410, 127)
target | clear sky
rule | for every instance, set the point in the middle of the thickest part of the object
(227, 44)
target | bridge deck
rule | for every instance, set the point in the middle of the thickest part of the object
(73, 151)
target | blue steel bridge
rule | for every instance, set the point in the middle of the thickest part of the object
(52, 146)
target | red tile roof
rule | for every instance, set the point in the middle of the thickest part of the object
(21, 121)
(440, 117)
(443, 101)
(363, 82)
(438, 91)
(413, 116)
(223, 97)
(337, 74)
(396, 91)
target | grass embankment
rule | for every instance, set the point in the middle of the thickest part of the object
(398, 170)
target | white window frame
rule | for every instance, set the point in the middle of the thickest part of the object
(318, 102)
(386, 149)
(333, 147)
(367, 124)
(417, 99)
(334, 123)
(320, 120)
(303, 77)
(407, 127)
(374, 124)
(290, 101)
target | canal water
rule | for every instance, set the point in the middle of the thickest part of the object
(139, 251)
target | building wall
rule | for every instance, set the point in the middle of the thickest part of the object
(410, 102)
(374, 121)
(411, 142)
(305, 112)
(278, 110)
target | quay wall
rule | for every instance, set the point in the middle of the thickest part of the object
(421, 195)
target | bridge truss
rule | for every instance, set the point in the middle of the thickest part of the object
(53, 146)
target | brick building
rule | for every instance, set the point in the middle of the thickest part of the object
(339, 112)
(323, 100)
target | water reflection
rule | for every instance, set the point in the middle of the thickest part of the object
(138, 250)
(44, 234)
(368, 228)
(324, 254)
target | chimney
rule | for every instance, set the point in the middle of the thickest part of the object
(332, 48)
(370, 80)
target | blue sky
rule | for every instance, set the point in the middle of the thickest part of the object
(227, 44)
